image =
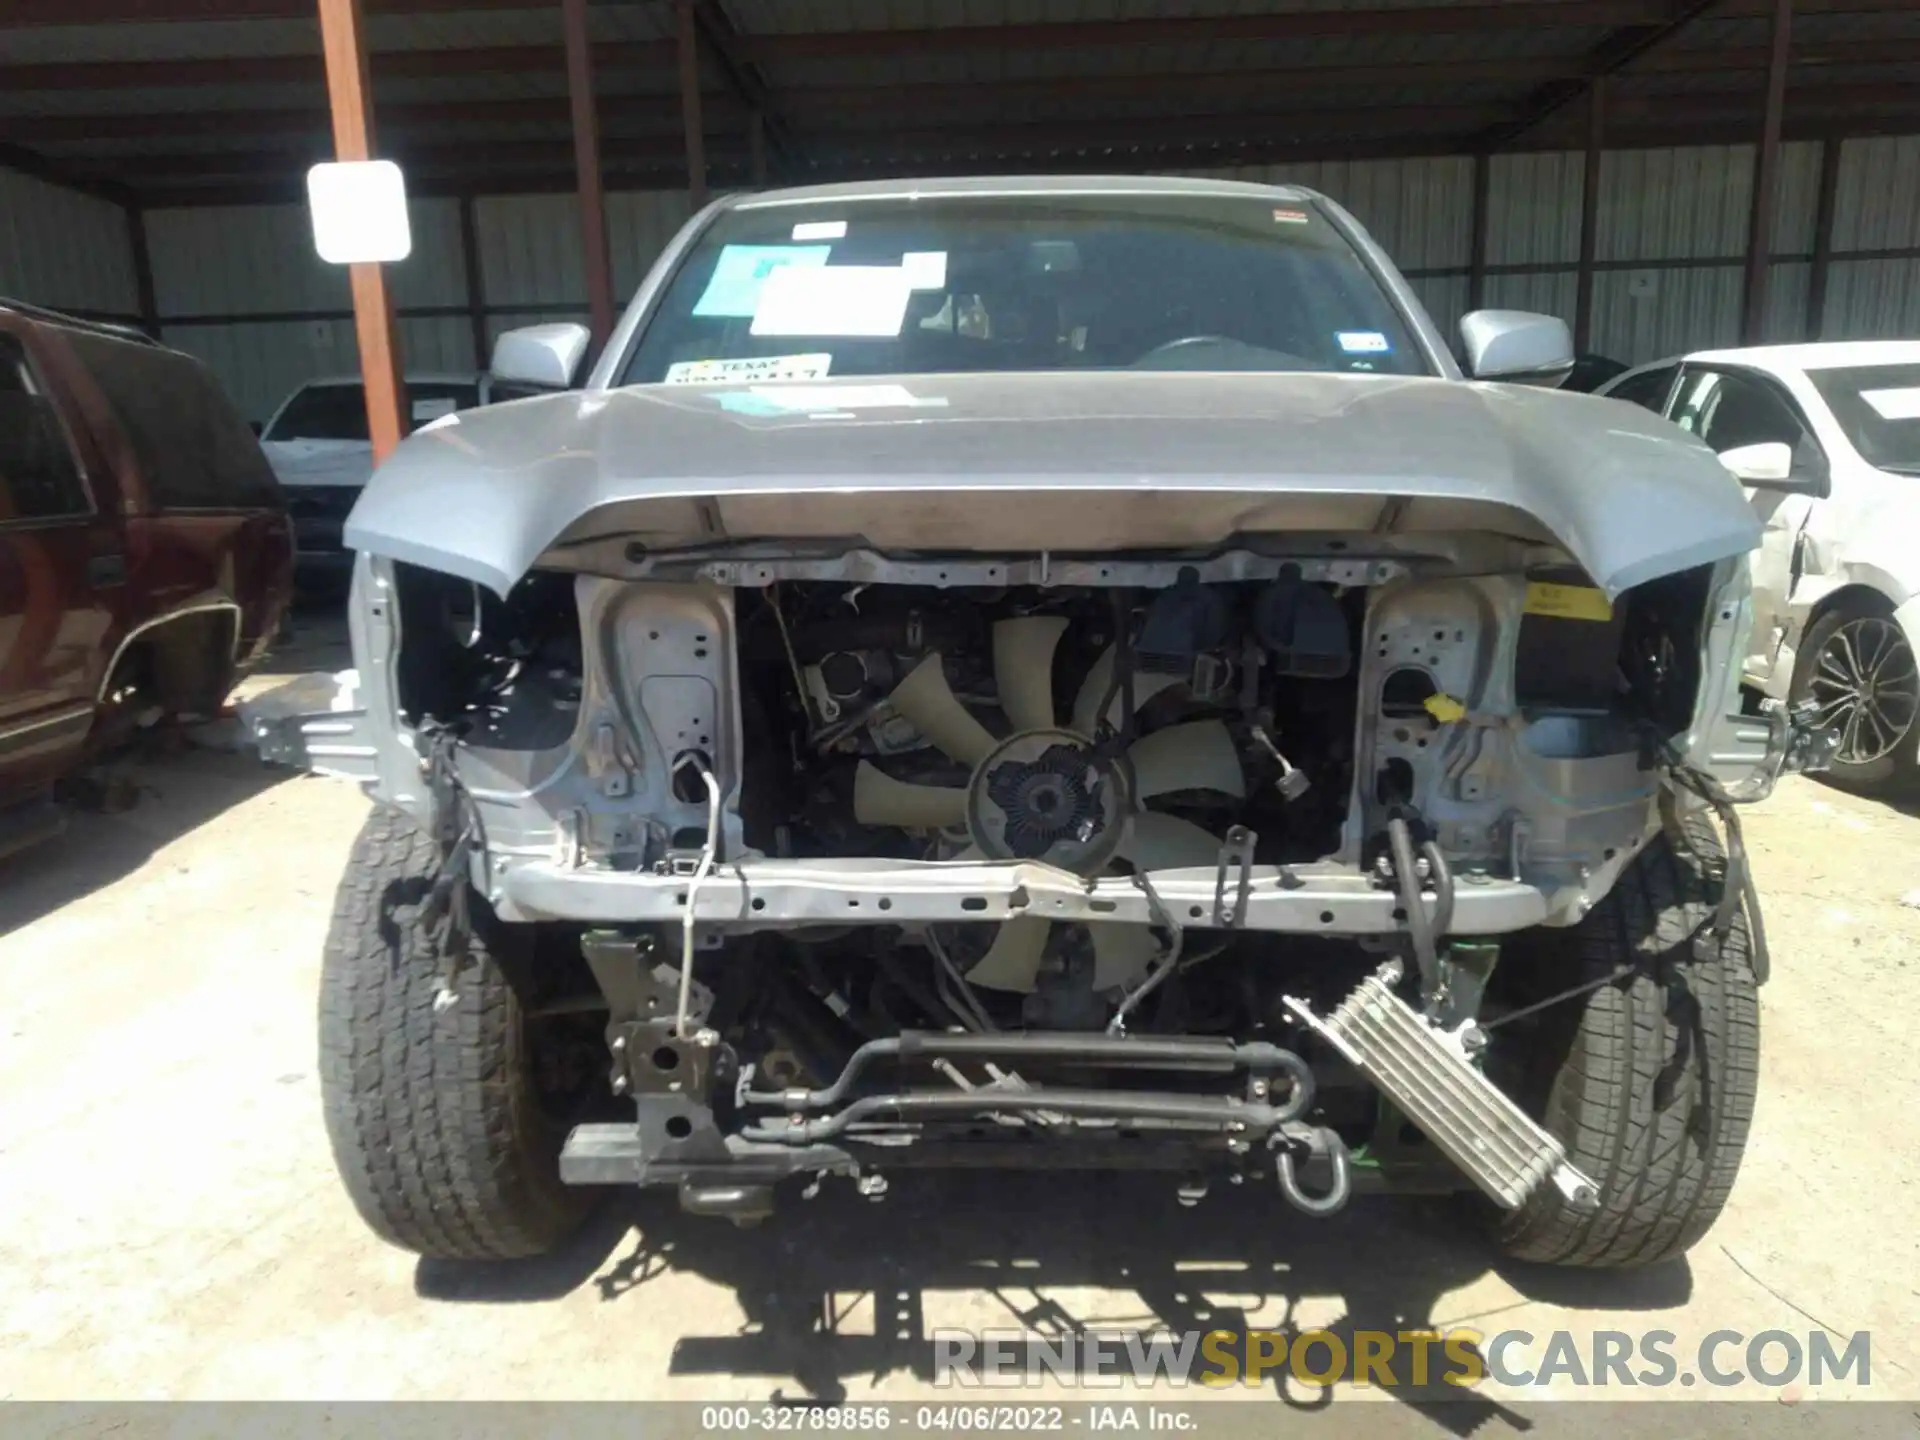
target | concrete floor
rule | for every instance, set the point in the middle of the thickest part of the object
(171, 1227)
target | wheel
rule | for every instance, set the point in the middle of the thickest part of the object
(191, 664)
(439, 1129)
(1648, 1081)
(1857, 665)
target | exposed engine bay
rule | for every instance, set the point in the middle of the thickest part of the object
(1097, 732)
(1053, 794)
(1104, 844)
(1119, 721)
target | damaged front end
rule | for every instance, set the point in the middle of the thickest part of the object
(1198, 856)
(1198, 865)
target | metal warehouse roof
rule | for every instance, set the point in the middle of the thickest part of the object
(178, 101)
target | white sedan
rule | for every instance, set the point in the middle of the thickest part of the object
(1827, 438)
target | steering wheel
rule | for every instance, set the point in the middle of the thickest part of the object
(1183, 342)
(1239, 354)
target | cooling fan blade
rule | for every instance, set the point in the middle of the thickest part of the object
(879, 799)
(1196, 756)
(1121, 953)
(1166, 842)
(927, 702)
(1012, 962)
(1023, 668)
(1094, 689)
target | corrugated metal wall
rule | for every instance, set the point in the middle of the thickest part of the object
(61, 248)
(242, 288)
(1668, 247)
(259, 259)
(530, 261)
(1690, 208)
(1533, 219)
(1877, 207)
(530, 244)
(283, 314)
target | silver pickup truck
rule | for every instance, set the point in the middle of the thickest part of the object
(1046, 673)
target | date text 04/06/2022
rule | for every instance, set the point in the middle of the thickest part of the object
(991, 1419)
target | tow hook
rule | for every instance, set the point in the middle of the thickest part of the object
(1307, 1144)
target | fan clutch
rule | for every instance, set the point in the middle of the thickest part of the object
(1041, 794)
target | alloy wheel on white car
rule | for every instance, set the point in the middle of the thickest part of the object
(1867, 686)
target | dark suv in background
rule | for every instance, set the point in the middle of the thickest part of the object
(145, 552)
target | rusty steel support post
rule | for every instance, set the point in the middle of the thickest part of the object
(586, 167)
(1589, 215)
(1766, 176)
(1830, 153)
(689, 53)
(1477, 244)
(343, 41)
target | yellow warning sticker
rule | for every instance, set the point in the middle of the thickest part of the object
(1567, 602)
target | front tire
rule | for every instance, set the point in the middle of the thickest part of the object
(437, 1125)
(1649, 1081)
(1856, 664)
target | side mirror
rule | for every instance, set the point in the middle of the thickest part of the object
(1772, 465)
(1769, 464)
(542, 356)
(1517, 345)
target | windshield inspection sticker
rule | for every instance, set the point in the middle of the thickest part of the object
(820, 230)
(1902, 404)
(1363, 342)
(926, 269)
(1291, 217)
(842, 300)
(742, 272)
(751, 370)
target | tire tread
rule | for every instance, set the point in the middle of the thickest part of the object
(1665, 1175)
(434, 1125)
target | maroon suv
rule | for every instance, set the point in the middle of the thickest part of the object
(145, 553)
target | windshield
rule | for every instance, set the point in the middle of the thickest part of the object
(1036, 282)
(1879, 408)
(339, 412)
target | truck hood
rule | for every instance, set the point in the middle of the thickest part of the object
(1017, 463)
